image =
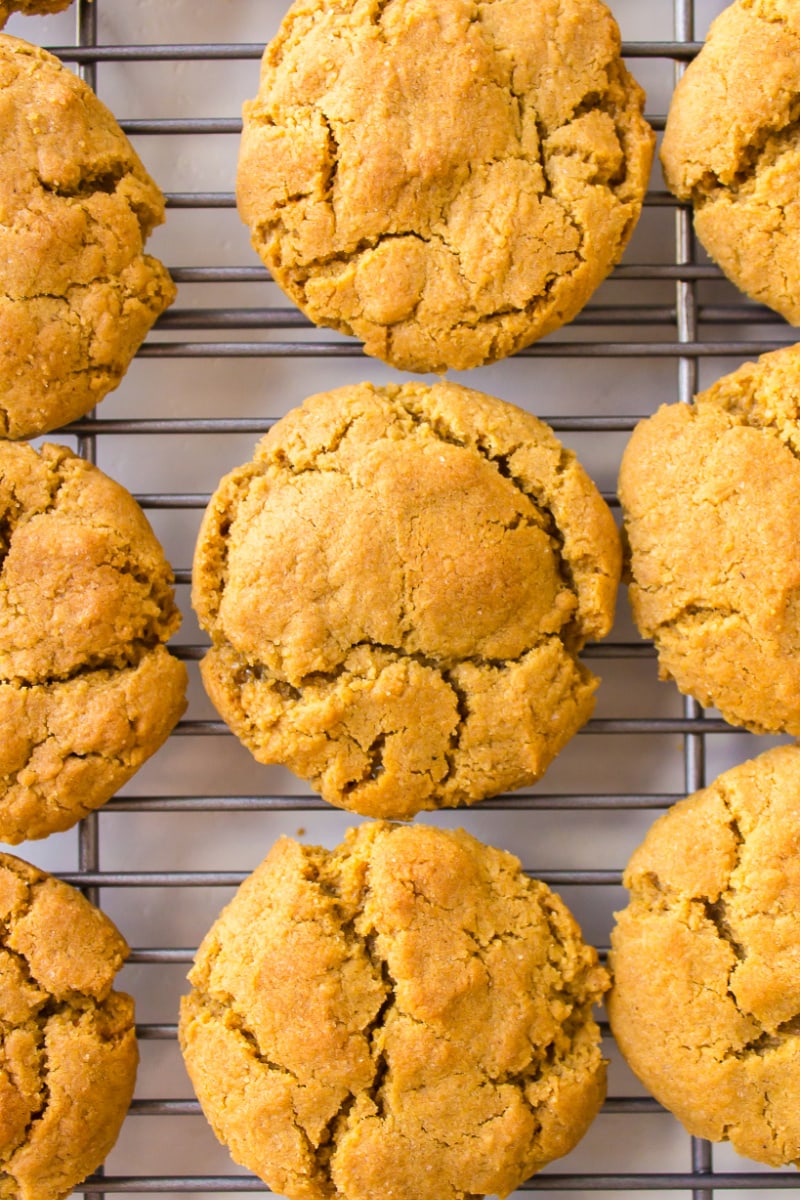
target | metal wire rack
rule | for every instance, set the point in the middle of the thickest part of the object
(229, 358)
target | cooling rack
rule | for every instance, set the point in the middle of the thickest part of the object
(228, 359)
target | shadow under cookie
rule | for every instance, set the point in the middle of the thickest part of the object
(30, 7)
(397, 589)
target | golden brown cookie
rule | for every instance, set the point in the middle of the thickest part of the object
(445, 181)
(88, 691)
(408, 1015)
(731, 147)
(711, 500)
(706, 994)
(30, 7)
(397, 588)
(68, 1052)
(76, 205)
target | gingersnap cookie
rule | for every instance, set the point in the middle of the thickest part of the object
(78, 294)
(407, 1015)
(445, 181)
(88, 690)
(731, 148)
(30, 7)
(68, 1044)
(397, 589)
(711, 499)
(705, 999)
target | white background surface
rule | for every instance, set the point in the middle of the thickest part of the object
(547, 838)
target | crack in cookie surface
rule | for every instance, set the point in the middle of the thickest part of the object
(78, 292)
(88, 689)
(725, 623)
(394, 564)
(713, 910)
(493, 225)
(69, 1049)
(731, 148)
(450, 1012)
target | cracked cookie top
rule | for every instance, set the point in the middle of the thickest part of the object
(77, 292)
(445, 181)
(88, 689)
(710, 494)
(732, 147)
(30, 7)
(397, 588)
(408, 1015)
(705, 1003)
(68, 1059)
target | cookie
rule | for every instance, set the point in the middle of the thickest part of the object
(77, 293)
(731, 148)
(711, 499)
(30, 7)
(68, 1047)
(445, 181)
(408, 1015)
(88, 690)
(705, 997)
(397, 588)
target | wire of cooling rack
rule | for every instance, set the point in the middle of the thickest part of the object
(677, 329)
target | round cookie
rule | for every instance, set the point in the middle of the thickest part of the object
(397, 588)
(710, 494)
(706, 993)
(445, 181)
(30, 7)
(408, 1015)
(88, 691)
(78, 294)
(731, 148)
(68, 1044)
